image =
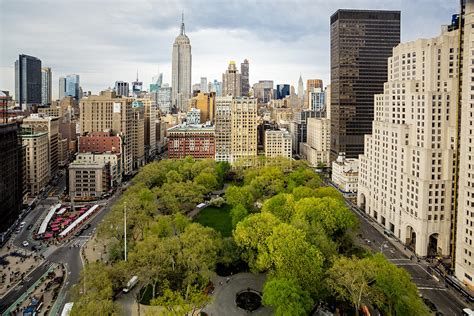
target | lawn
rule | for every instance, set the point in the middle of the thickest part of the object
(217, 218)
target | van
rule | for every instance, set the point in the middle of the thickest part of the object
(388, 232)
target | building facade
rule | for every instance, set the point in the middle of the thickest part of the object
(406, 171)
(232, 81)
(87, 179)
(111, 160)
(46, 86)
(361, 42)
(317, 148)
(100, 142)
(196, 141)
(282, 90)
(181, 71)
(11, 175)
(164, 99)
(244, 71)
(243, 130)
(37, 168)
(223, 126)
(27, 81)
(73, 87)
(122, 88)
(277, 143)
(345, 174)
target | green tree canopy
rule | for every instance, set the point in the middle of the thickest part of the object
(286, 297)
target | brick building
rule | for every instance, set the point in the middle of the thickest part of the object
(197, 141)
(100, 142)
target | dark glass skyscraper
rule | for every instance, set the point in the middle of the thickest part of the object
(282, 90)
(244, 71)
(361, 42)
(27, 81)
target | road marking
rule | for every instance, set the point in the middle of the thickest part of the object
(431, 288)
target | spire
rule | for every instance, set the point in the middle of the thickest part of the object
(182, 23)
(137, 75)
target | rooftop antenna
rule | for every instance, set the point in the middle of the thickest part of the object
(182, 23)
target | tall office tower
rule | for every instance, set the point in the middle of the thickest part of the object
(27, 81)
(311, 86)
(121, 88)
(223, 126)
(317, 148)
(164, 99)
(137, 87)
(316, 101)
(39, 123)
(107, 112)
(71, 86)
(150, 116)
(282, 90)
(244, 130)
(181, 70)
(263, 91)
(231, 81)
(11, 175)
(361, 42)
(46, 87)
(300, 89)
(217, 88)
(157, 81)
(277, 143)
(406, 172)
(62, 88)
(203, 85)
(462, 243)
(37, 167)
(244, 71)
(138, 134)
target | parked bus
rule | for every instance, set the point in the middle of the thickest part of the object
(133, 281)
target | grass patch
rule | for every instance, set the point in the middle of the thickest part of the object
(217, 218)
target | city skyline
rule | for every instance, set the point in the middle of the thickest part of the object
(279, 45)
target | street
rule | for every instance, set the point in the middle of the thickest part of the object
(444, 299)
(66, 253)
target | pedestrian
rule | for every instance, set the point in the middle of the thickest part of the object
(227, 280)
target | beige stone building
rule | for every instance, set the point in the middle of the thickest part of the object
(232, 81)
(317, 148)
(112, 160)
(37, 167)
(151, 114)
(464, 246)
(345, 174)
(87, 179)
(223, 127)
(206, 104)
(406, 171)
(277, 143)
(50, 125)
(107, 112)
(243, 130)
(138, 137)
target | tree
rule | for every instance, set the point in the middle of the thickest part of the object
(281, 205)
(330, 213)
(286, 297)
(217, 202)
(238, 213)
(399, 295)
(178, 303)
(350, 279)
(287, 254)
(302, 192)
(235, 195)
(207, 180)
(251, 232)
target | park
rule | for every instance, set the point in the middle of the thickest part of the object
(275, 241)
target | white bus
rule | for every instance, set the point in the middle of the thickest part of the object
(67, 309)
(133, 281)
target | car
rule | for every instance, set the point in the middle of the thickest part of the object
(22, 224)
(87, 226)
(388, 232)
(29, 227)
(25, 243)
(430, 304)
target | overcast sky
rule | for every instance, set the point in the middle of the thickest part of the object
(104, 41)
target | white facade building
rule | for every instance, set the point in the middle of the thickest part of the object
(277, 143)
(345, 173)
(406, 171)
(317, 148)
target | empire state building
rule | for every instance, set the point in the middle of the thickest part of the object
(181, 70)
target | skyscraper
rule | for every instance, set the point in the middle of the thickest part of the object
(231, 81)
(27, 81)
(46, 88)
(72, 86)
(244, 71)
(163, 99)
(203, 86)
(223, 128)
(243, 130)
(282, 90)
(361, 42)
(181, 70)
(300, 89)
(62, 88)
(121, 88)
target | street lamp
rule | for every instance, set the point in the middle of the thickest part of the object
(125, 230)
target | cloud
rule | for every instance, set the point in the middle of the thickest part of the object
(105, 41)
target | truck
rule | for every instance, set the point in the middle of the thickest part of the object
(133, 281)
